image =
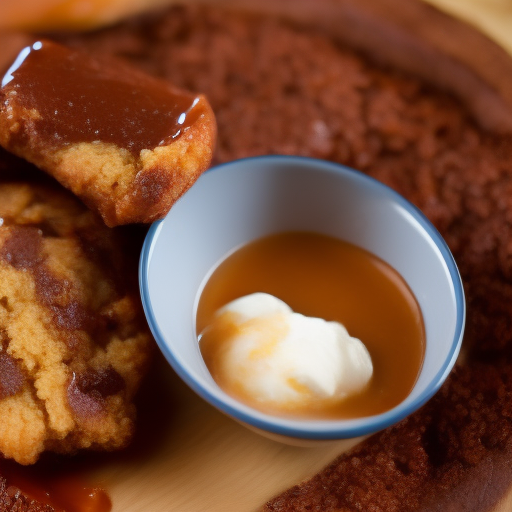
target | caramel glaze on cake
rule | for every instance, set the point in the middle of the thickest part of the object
(281, 89)
(127, 144)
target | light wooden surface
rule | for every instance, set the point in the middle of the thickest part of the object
(188, 457)
(492, 17)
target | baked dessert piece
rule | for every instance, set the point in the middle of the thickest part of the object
(73, 341)
(127, 144)
(303, 93)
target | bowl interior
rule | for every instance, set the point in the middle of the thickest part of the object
(248, 199)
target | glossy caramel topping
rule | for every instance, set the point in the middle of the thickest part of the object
(78, 99)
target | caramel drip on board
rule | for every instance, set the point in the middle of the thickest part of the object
(50, 490)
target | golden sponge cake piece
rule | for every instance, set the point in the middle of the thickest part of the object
(73, 341)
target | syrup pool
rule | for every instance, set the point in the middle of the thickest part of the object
(321, 276)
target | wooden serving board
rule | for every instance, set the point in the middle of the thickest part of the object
(187, 456)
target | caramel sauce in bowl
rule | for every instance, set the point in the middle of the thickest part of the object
(237, 204)
(84, 101)
(323, 277)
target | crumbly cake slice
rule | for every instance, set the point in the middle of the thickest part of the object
(73, 341)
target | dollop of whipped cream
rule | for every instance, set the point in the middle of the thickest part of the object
(281, 358)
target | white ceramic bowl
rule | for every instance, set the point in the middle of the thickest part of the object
(238, 202)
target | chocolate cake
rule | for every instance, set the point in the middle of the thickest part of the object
(280, 88)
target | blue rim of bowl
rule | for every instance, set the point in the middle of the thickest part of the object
(306, 429)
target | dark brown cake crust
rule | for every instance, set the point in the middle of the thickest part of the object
(279, 89)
